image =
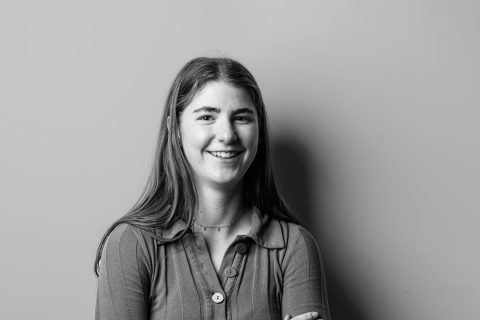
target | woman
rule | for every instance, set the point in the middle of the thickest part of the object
(210, 238)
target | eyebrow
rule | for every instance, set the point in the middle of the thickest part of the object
(217, 110)
(207, 109)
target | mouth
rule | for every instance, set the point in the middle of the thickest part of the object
(225, 154)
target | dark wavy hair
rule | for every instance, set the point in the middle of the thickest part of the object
(170, 193)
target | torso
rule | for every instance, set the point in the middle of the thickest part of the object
(178, 280)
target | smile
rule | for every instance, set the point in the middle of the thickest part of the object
(224, 155)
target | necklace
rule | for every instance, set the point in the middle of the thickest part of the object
(219, 227)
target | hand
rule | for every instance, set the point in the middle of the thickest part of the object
(305, 316)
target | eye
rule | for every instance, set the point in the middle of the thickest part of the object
(242, 119)
(205, 117)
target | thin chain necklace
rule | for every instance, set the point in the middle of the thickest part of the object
(205, 227)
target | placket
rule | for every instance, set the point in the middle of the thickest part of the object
(216, 293)
(232, 266)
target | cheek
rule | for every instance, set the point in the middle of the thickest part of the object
(251, 137)
(194, 141)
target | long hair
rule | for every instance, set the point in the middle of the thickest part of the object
(170, 193)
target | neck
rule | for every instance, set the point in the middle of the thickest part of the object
(219, 206)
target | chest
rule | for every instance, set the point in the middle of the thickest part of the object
(217, 248)
(236, 280)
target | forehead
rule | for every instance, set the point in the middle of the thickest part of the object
(222, 95)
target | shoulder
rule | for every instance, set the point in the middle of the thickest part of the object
(129, 240)
(125, 233)
(126, 261)
(302, 234)
(301, 249)
(273, 233)
(297, 239)
(293, 235)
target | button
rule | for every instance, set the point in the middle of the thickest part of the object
(241, 248)
(231, 272)
(217, 297)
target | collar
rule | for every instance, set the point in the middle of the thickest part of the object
(266, 231)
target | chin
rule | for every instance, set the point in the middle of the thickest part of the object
(226, 181)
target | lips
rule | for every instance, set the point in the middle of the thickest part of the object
(224, 154)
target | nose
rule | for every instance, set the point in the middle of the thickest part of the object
(225, 132)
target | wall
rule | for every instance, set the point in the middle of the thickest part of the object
(374, 110)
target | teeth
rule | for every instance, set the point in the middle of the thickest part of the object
(224, 155)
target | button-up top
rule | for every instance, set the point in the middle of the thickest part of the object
(272, 271)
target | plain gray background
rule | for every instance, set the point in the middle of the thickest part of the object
(374, 110)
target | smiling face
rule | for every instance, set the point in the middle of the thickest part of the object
(219, 134)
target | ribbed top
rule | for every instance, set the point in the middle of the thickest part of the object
(274, 270)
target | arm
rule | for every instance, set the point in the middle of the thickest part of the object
(123, 282)
(304, 287)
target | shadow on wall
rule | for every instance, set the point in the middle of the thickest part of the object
(295, 168)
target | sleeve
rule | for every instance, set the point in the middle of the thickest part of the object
(304, 288)
(124, 281)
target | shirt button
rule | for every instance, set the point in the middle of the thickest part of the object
(217, 297)
(231, 272)
(241, 248)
